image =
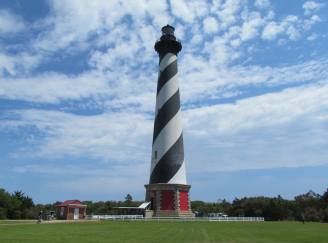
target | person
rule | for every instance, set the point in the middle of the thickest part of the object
(303, 218)
(40, 217)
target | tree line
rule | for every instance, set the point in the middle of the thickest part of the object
(310, 206)
(16, 205)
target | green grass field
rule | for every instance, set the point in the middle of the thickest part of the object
(167, 232)
(4, 222)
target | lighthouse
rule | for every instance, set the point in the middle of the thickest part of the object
(167, 191)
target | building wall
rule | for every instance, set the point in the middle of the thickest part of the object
(167, 200)
(69, 213)
(184, 202)
(61, 212)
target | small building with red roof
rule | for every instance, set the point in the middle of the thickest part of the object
(71, 210)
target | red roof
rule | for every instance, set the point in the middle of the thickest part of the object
(72, 203)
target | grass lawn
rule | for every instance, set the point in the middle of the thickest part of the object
(17, 222)
(165, 232)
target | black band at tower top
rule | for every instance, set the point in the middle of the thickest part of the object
(167, 43)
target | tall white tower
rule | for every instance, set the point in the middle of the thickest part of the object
(167, 190)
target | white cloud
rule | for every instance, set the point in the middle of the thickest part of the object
(126, 89)
(312, 37)
(18, 63)
(271, 31)
(220, 53)
(251, 26)
(187, 11)
(122, 77)
(90, 178)
(10, 23)
(210, 25)
(215, 82)
(196, 39)
(118, 36)
(308, 23)
(76, 22)
(102, 136)
(292, 26)
(293, 118)
(228, 12)
(53, 87)
(7, 64)
(118, 184)
(262, 111)
(262, 4)
(106, 90)
(182, 10)
(55, 169)
(260, 132)
(311, 6)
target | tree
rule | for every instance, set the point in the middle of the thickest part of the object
(4, 203)
(128, 199)
(313, 206)
(324, 197)
(24, 204)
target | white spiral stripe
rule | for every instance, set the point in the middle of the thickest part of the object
(166, 139)
(168, 90)
(167, 60)
(180, 176)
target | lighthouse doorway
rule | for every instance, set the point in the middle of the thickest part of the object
(152, 206)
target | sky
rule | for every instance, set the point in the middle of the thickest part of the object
(78, 88)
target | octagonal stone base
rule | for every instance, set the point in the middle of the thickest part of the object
(169, 200)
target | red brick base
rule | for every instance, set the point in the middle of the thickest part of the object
(169, 200)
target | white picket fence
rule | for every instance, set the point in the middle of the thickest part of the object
(209, 219)
(204, 219)
(115, 217)
(235, 219)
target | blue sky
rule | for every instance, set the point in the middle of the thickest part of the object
(77, 96)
